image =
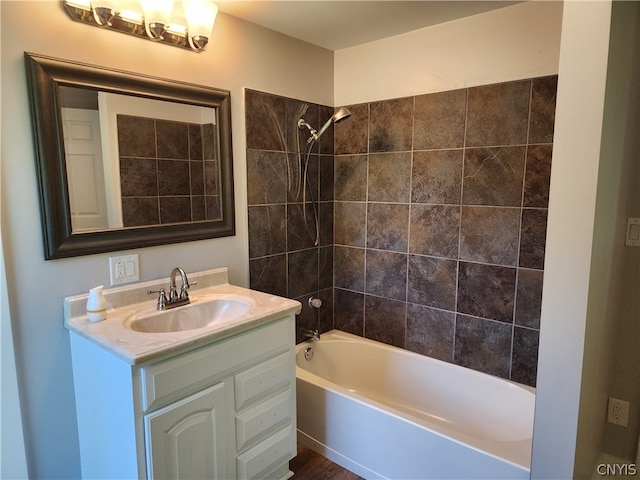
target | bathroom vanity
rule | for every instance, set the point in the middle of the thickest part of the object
(212, 401)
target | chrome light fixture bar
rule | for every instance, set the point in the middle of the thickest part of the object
(187, 24)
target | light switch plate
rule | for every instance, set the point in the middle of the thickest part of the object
(124, 269)
(633, 232)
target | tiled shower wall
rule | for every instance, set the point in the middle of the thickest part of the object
(283, 257)
(439, 223)
(168, 171)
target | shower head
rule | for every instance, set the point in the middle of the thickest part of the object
(340, 114)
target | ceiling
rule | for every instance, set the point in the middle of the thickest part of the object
(338, 24)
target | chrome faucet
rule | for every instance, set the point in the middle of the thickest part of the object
(175, 299)
(312, 335)
(173, 292)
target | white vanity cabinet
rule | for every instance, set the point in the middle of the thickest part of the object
(223, 410)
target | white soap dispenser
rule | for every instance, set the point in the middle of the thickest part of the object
(96, 305)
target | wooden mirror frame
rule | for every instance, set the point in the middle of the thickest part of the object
(44, 77)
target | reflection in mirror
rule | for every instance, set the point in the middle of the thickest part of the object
(135, 162)
(127, 160)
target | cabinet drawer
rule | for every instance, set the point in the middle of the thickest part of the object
(264, 418)
(263, 379)
(261, 459)
(167, 381)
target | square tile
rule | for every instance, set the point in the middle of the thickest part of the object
(350, 223)
(437, 177)
(301, 226)
(136, 136)
(173, 177)
(349, 311)
(432, 282)
(524, 368)
(483, 345)
(389, 176)
(439, 120)
(267, 230)
(493, 176)
(430, 332)
(352, 136)
(386, 274)
(529, 298)
(538, 176)
(384, 320)
(498, 114)
(349, 268)
(543, 109)
(172, 139)
(390, 125)
(533, 237)
(388, 226)
(138, 177)
(490, 235)
(486, 291)
(434, 230)
(265, 121)
(269, 274)
(302, 271)
(266, 177)
(350, 178)
(137, 211)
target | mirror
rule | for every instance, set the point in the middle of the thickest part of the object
(127, 160)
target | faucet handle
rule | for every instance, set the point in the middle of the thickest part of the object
(162, 298)
(183, 291)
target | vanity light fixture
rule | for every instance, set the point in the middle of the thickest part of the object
(186, 23)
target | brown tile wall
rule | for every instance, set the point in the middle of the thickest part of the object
(168, 171)
(283, 259)
(433, 211)
(440, 223)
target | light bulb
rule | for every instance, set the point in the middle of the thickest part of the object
(104, 11)
(201, 15)
(130, 11)
(81, 4)
(157, 14)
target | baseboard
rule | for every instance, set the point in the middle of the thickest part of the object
(337, 458)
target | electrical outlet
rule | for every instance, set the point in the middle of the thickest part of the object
(618, 412)
(124, 269)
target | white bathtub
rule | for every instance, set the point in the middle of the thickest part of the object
(384, 412)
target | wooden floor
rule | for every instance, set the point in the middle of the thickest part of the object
(309, 465)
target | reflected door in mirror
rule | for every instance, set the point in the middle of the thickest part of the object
(83, 153)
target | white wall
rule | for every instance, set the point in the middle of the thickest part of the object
(570, 296)
(13, 462)
(520, 41)
(239, 55)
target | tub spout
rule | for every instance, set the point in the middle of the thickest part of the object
(312, 335)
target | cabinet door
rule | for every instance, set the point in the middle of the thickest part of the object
(192, 438)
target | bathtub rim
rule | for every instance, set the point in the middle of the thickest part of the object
(467, 440)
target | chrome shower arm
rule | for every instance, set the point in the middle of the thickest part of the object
(314, 134)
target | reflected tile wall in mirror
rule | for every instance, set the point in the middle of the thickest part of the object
(168, 171)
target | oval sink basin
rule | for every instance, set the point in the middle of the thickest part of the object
(198, 314)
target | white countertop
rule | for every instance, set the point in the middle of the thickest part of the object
(138, 347)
